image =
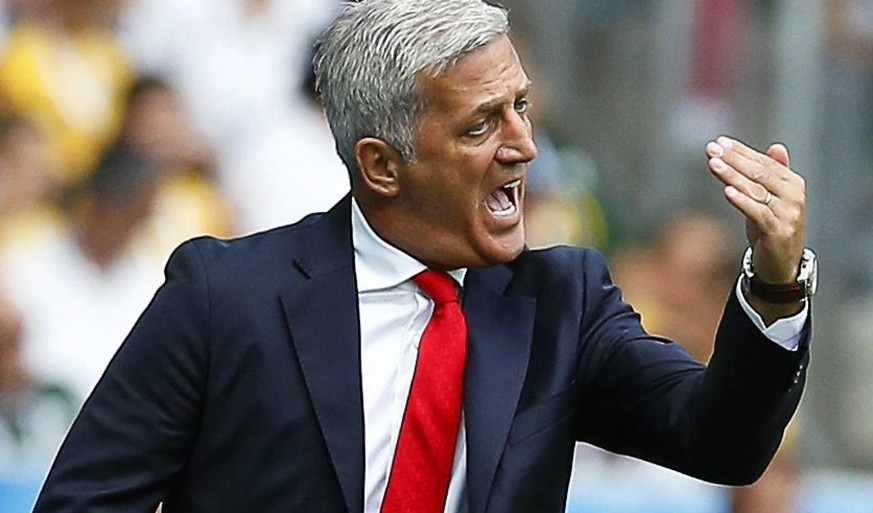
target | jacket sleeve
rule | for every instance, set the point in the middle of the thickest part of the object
(646, 397)
(134, 434)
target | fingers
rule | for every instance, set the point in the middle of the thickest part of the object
(744, 172)
(779, 152)
(770, 195)
(759, 213)
(752, 173)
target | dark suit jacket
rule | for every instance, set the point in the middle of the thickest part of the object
(239, 388)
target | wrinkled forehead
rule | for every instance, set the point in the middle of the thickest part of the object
(487, 73)
(444, 64)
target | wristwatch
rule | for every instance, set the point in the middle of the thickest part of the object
(803, 288)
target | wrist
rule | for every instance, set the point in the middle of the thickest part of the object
(801, 289)
(768, 311)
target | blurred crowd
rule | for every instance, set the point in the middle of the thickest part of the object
(128, 126)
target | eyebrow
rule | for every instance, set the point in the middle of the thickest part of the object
(494, 104)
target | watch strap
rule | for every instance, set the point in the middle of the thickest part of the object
(782, 294)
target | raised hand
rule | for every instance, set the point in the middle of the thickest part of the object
(772, 197)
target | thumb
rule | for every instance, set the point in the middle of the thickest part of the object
(779, 152)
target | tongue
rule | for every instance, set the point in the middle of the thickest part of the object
(498, 201)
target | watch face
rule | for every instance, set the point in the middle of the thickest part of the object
(747, 263)
(808, 273)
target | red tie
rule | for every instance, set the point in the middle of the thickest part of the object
(422, 465)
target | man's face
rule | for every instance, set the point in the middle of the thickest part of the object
(463, 196)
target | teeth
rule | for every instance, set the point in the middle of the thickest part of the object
(505, 213)
(504, 201)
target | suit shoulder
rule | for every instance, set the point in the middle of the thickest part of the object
(244, 257)
(214, 249)
(563, 260)
(561, 270)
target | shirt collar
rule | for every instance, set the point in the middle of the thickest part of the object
(379, 265)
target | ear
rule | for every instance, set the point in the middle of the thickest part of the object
(379, 164)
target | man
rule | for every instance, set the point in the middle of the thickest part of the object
(271, 373)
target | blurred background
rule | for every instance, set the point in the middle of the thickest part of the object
(128, 126)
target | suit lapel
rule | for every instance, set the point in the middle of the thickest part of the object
(321, 309)
(500, 330)
(322, 314)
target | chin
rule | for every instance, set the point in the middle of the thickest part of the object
(507, 256)
(505, 249)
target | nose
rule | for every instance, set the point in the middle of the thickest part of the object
(519, 146)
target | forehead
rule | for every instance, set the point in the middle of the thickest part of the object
(491, 72)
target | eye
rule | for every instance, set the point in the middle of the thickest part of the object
(479, 128)
(522, 105)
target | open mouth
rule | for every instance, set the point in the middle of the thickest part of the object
(503, 202)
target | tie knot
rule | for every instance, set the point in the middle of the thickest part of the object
(438, 285)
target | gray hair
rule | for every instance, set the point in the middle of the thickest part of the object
(368, 63)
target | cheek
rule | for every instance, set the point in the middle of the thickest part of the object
(457, 176)
(459, 181)
(475, 169)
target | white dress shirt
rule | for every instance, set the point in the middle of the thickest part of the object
(393, 314)
(786, 332)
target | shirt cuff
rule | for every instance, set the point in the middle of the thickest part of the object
(785, 332)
